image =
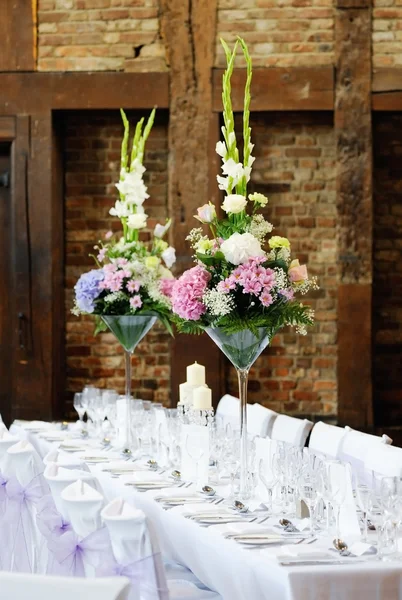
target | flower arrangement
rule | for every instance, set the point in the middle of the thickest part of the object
(243, 279)
(132, 277)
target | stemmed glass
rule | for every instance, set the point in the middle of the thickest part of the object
(307, 486)
(196, 453)
(268, 477)
(80, 409)
(337, 479)
(363, 493)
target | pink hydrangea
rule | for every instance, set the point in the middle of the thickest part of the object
(166, 286)
(187, 293)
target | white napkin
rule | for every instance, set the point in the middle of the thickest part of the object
(58, 478)
(83, 505)
(64, 459)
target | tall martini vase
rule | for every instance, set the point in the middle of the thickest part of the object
(242, 349)
(129, 330)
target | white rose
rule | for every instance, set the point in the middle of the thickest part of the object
(169, 256)
(137, 221)
(240, 247)
(160, 230)
(234, 203)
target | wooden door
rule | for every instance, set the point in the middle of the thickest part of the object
(5, 283)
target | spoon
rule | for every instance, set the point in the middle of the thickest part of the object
(176, 475)
(341, 546)
(208, 491)
(288, 525)
(152, 464)
(239, 506)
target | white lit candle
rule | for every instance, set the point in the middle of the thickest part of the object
(196, 374)
(202, 398)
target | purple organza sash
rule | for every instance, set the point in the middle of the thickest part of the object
(72, 553)
(49, 521)
(20, 547)
(141, 573)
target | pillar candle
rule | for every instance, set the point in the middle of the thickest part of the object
(202, 398)
(196, 374)
(185, 393)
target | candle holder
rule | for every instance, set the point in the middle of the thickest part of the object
(205, 418)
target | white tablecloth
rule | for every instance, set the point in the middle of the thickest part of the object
(240, 574)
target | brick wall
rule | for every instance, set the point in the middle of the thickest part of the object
(387, 33)
(92, 157)
(99, 35)
(295, 168)
(387, 289)
(279, 33)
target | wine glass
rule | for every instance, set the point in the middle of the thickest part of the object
(337, 480)
(77, 403)
(307, 486)
(268, 477)
(195, 452)
(363, 493)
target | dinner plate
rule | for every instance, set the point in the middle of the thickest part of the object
(176, 500)
(95, 459)
(213, 520)
(150, 485)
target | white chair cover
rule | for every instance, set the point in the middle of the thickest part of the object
(326, 439)
(17, 586)
(260, 420)
(382, 460)
(228, 410)
(291, 430)
(6, 441)
(26, 486)
(355, 446)
(58, 478)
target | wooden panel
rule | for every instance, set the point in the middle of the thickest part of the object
(387, 79)
(354, 352)
(17, 35)
(353, 3)
(40, 92)
(297, 88)
(352, 120)
(387, 101)
(7, 128)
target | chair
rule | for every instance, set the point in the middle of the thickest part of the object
(88, 545)
(355, 446)
(228, 410)
(326, 439)
(136, 550)
(382, 460)
(25, 487)
(291, 430)
(65, 460)
(18, 586)
(260, 420)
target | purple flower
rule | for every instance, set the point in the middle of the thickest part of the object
(87, 289)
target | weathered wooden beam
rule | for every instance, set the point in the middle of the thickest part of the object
(352, 118)
(274, 88)
(387, 89)
(7, 128)
(189, 29)
(41, 92)
(17, 35)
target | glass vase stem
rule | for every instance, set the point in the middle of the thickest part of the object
(128, 396)
(242, 375)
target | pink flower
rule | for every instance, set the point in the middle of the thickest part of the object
(110, 268)
(103, 285)
(122, 262)
(297, 272)
(288, 294)
(266, 298)
(187, 293)
(133, 286)
(224, 286)
(102, 254)
(166, 286)
(252, 286)
(268, 281)
(136, 302)
(108, 235)
(125, 273)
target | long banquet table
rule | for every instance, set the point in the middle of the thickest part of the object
(243, 574)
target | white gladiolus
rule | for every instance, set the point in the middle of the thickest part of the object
(137, 221)
(233, 169)
(240, 247)
(220, 149)
(232, 138)
(234, 203)
(120, 209)
(169, 256)
(160, 230)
